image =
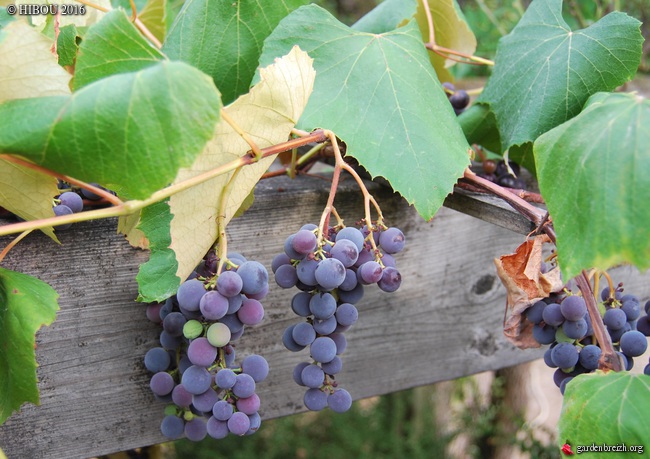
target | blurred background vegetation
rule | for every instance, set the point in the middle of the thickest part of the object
(451, 419)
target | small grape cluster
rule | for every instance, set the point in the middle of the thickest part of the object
(507, 176)
(458, 98)
(563, 322)
(331, 275)
(194, 367)
(71, 201)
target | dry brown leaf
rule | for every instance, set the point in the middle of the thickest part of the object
(521, 275)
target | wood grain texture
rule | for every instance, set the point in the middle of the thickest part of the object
(443, 323)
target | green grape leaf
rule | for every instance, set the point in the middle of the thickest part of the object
(592, 174)
(153, 17)
(123, 131)
(480, 126)
(224, 39)
(545, 72)
(267, 113)
(605, 408)
(380, 95)
(26, 304)
(66, 45)
(451, 32)
(157, 278)
(27, 66)
(112, 46)
(386, 16)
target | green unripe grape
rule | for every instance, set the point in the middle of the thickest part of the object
(218, 334)
(192, 329)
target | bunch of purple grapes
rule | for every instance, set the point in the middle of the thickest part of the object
(194, 367)
(331, 276)
(562, 321)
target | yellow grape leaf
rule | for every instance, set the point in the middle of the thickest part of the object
(451, 31)
(27, 66)
(268, 113)
(153, 16)
(27, 193)
(128, 225)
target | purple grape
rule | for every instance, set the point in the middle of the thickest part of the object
(196, 429)
(573, 308)
(288, 341)
(347, 314)
(325, 326)
(196, 380)
(251, 312)
(353, 235)
(322, 305)
(280, 259)
(589, 356)
(350, 281)
(289, 250)
(217, 429)
(323, 349)
(205, 402)
(306, 272)
(161, 383)
(222, 410)
(575, 329)
(340, 341)
(304, 242)
(225, 378)
(190, 293)
(392, 240)
(153, 312)
(315, 399)
(552, 315)
(72, 200)
(232, 321)
(390, 280)
(156, 360)
(353, 296)
(330, 273)
(239, 423)
(201, 352)
(60, 210)
(229, 283)
(633, 343)
(169, 342)
(544, 335)
(234, 303)
(312, 376)
(297, 372)
(244, 385)
(214, 305)
(565, 355)
(340, 401)
(303, 334)
(172, 427)
(333, 367)
(534, 312)
(256, 366)
(614, 319)
(256, 421)
(254, 277)
(631, 307)
(369, 273)
(286, 276)
(300, 304)
(249, 405)
(346, 252)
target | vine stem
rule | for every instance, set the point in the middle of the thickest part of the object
(222, 240)
(129, 207)
(609, 359)
(243, 134)
(340, 165)
(92, 188)
(446, 52)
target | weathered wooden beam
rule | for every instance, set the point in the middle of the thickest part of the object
(443, 323)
